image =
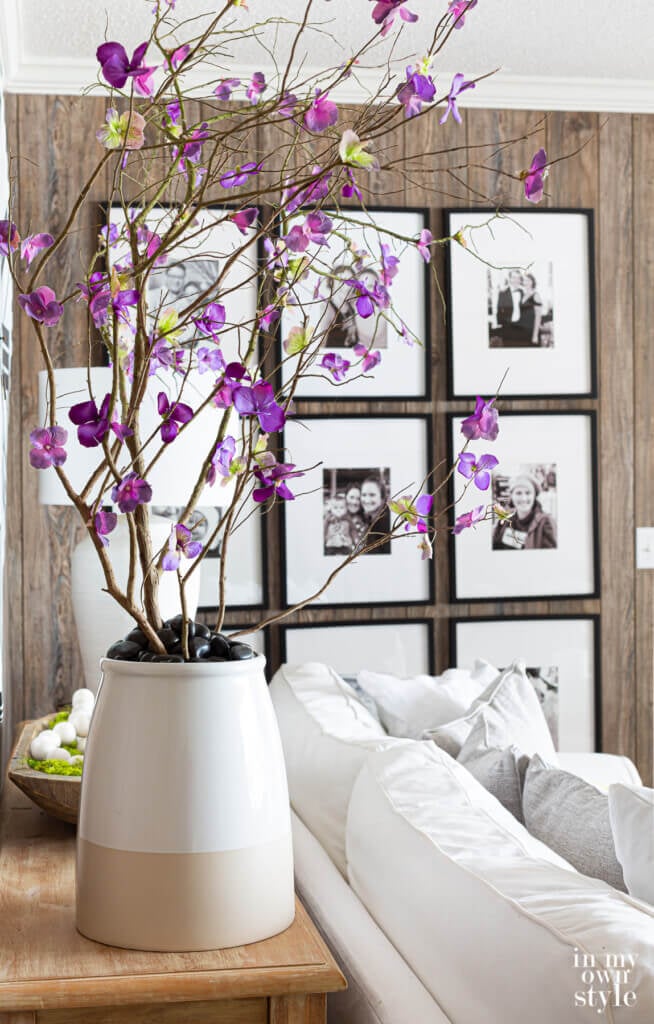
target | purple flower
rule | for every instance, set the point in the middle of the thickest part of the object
(483, 423)
(350, 188)
(9, 237)
(117, 67)
(414, 514)
(316, 190)
(130, 492)
(458, 9)
(468, 519)
(390, 265)
(244, 219)
(42, 306)
(212, 320)
(256, 87)
(321, 114)
(210, 359)
(367, 300)
(336, 365)
(423, 244)
(384, 13)
(180, 543)
(93, 424)
(458, 86)
(233, 377)
(417, 89)
(192, 149)
(259, 401)
(223, 90)
(239, 176)
(221, 460)
(105, 522)
(267, 317)
(172, 415)
(48, 447)
(287, 104)
(534, 178)
(315, 229)
(31, 245)
(479, 472)
(273, 480)
(179, 55)
(370, 359)
(104, 295)
(174, 112)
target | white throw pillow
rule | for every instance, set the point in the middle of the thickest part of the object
(512, 710)
(492, 922)
(326, 734)
(409, 706)
(631, 810)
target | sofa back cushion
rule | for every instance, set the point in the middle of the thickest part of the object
(631, 810)
(326, 734)
(490, 920)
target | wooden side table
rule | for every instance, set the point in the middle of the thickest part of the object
(50, 974)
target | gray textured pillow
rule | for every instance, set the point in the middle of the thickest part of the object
(499, 767)
(572, 818)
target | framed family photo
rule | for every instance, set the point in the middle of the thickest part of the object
(366, 460)
(403, 371)
(400, 647)
(562, 658)
(541, 539)
(521, 304)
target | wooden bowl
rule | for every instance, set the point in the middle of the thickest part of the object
(58, 795)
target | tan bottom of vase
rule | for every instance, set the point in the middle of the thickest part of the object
(181, 902)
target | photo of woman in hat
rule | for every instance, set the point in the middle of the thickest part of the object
(531, 526)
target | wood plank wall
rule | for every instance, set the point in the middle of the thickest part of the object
(613, 174)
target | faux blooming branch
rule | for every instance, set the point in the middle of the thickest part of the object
(290, 216)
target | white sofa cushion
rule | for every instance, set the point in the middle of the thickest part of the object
(327, 735)
(513, 714)
(601, 770)
(631, 810)
(489, 919)
(408, 706)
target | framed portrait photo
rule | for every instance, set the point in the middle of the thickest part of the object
(404, 369)
(541, 538)
(562, 659)
(402, 648)
(358, 463)
(521, 305)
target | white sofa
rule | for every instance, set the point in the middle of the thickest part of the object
(436, 901)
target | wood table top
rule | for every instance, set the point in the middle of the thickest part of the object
(45, 963)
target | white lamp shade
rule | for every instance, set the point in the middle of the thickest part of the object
(175, 474)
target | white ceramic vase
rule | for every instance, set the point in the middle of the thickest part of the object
(184, 834)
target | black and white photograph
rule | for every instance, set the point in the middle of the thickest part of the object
(356, 510)
(401, 648)
(561, 660)
(331, 314)
(527, 497)
(521, 303)
(521, 307)
(341, 505)
(542, 502)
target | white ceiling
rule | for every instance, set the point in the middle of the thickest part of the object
(561, 54)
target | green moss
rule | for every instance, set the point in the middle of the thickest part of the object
(56, 767)
(61, 716)
(70, 747)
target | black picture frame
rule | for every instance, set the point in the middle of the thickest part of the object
(428, 624)
(345, 394)
(455, 393)
(486, 499)
(509, 620)
(361, 417)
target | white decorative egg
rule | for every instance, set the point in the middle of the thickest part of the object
(59, 754)
(49, 738)
(83, 699)
(39, 750)
(81, 744)
(80, 719)
(66, 732)
(76, 759)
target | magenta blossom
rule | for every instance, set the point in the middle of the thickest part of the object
(390, 265)
(413, 513)
(315, 229)
(212, 320)
(102, 297)
(370, 358)
(287, 104)
(423, 244)
(458, 86)
(179, 55)
(240, 175)
(321, 114)
(152, 242)
(350, 188)
(477, 471)
(267, 317)
(468, 519)
(368, 299)
(483, 423)
(210, 359)
(221, 460)
(233, 377)
(256, 87)
(117, 67)
(458, 9)
(417, 89)
(336, 365)
(130, 492)
(273, 480)
(316, 190)
(223, 90)
(172, 415)
(93, 424)
(534, 178)
(48, 447)
(180, 543)
(244, 219)
(191, 151)
(42, 306)
(105, 523)
(259, 400)
(9, 237)
(31, 245)
(384, 13)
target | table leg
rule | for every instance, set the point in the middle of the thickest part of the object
(297, 1009)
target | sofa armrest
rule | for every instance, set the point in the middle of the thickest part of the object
(601, 769)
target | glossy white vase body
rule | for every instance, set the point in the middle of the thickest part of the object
(184, 835)
(99, 619)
